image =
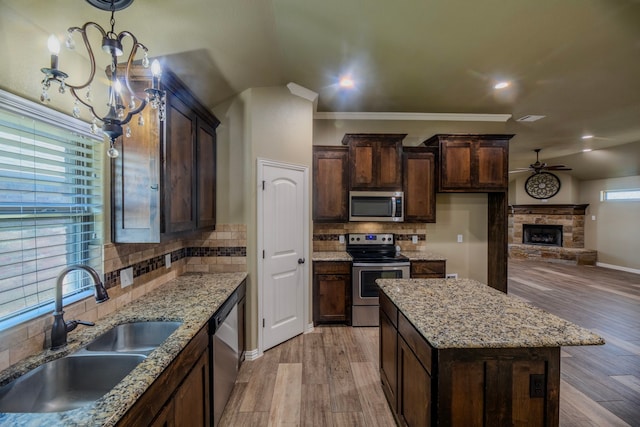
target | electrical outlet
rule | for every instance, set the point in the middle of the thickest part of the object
(536, 385)
(167, 260)
(126, 277)
(460, 240)
(341, 239)
(593, 217)
(414, 240)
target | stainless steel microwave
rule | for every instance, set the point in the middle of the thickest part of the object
(376, 206)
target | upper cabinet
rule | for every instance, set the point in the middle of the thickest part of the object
(419, 176)
(330, 184)
(375, 161)
(472, 163)
(163, 182)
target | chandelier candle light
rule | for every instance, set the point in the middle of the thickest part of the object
(118, 114)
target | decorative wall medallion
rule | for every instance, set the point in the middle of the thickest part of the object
(542, 185)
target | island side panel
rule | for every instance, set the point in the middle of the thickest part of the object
(497, 386)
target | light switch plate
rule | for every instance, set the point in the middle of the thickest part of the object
(126, 277)
(414, 240)
(341, 239)
(460, 240)
(167, 260)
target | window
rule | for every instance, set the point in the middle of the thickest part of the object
(50, 207)
(608, 195)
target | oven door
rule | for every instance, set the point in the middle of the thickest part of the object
(365, 290)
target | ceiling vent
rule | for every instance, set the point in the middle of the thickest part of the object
(530, 118)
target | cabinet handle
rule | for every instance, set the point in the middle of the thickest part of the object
(300, 260)
(154, 187)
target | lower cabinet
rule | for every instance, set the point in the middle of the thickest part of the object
(332, 292)
(191, 400)
(464, 387)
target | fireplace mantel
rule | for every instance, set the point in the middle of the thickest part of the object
(548, 209)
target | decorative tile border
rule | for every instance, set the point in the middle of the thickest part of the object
(149, 265)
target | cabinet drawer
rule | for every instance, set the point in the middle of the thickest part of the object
(416, 342)
(428, 269)
(389, 309)
(331, 267)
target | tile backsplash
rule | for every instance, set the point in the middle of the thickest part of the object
(326, 236)
(219, 251)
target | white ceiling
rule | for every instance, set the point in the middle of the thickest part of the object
(577, 62)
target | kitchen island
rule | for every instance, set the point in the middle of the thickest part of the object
(191, 299)
(459, 353)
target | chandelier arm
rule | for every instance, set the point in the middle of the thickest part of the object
(132, 54)
(131, 113)
(87, 45)
(80, 100)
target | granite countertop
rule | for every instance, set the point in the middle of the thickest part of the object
(331, 256)
(191, 298)
(464, 313)
(344, 256)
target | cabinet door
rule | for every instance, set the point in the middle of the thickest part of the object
(179, 162)
(242, 308)
(419, 186)
(331, 302)
(330, 184)
(428, 269)
(191, 401)
(414, 389)
(388, 360)
(135, 182)
(493, 165)
(206, 176)
(166, 417)
(375, 163)
(456, 165)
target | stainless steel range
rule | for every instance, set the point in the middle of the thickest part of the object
(374, 257)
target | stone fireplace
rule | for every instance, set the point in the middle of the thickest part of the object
(550, 233)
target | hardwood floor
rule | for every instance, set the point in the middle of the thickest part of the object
(330, 377)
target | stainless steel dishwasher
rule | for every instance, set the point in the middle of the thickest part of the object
(224, 355)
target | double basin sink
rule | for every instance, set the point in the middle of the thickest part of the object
(86, 375)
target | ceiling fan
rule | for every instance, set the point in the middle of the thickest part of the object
(539, 166)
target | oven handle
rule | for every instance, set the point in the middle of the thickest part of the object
(381, 264)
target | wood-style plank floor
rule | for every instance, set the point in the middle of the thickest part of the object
(330, 377)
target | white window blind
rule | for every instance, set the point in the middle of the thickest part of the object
(50, 207)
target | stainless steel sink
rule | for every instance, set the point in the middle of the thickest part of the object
(136, 337)
(66, 383)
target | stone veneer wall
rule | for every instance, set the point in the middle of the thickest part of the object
(219, 251)
(326, 235)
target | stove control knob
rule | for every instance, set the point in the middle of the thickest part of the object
(358, 239)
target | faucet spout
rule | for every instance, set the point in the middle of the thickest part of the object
(60, 327)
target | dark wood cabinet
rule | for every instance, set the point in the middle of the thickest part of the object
(191, 401)
(419, 182)
(421, 269)
(375, 161)
(388, 351)
(330, 184)
(463, 387)
(472, 163)
(163, 182)
(331, 292)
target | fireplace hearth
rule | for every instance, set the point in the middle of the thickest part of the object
(542, 234)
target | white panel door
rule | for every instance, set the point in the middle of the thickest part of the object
(283, 208)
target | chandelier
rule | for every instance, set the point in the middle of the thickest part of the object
(123, 103)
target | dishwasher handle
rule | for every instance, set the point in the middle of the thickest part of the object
(223, 312)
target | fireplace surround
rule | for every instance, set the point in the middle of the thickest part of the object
(550, 233)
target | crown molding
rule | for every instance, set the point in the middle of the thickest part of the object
(445, 117)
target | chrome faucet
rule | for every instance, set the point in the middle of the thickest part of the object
(60, 327)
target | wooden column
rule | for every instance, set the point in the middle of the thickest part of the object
(497, 245)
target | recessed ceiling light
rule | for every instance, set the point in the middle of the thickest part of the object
(586, 150)
(587, 136)
(501, 85)
(347, 82)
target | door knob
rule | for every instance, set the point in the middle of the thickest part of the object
(300, 260)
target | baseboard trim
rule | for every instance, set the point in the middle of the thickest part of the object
(618, 267)
(252, 354)
(309, 328)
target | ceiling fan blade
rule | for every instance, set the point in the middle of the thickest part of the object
(521, 170)
(558, 168)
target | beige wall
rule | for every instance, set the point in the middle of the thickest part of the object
(615, 232)
(261, 123)
(568, 194)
